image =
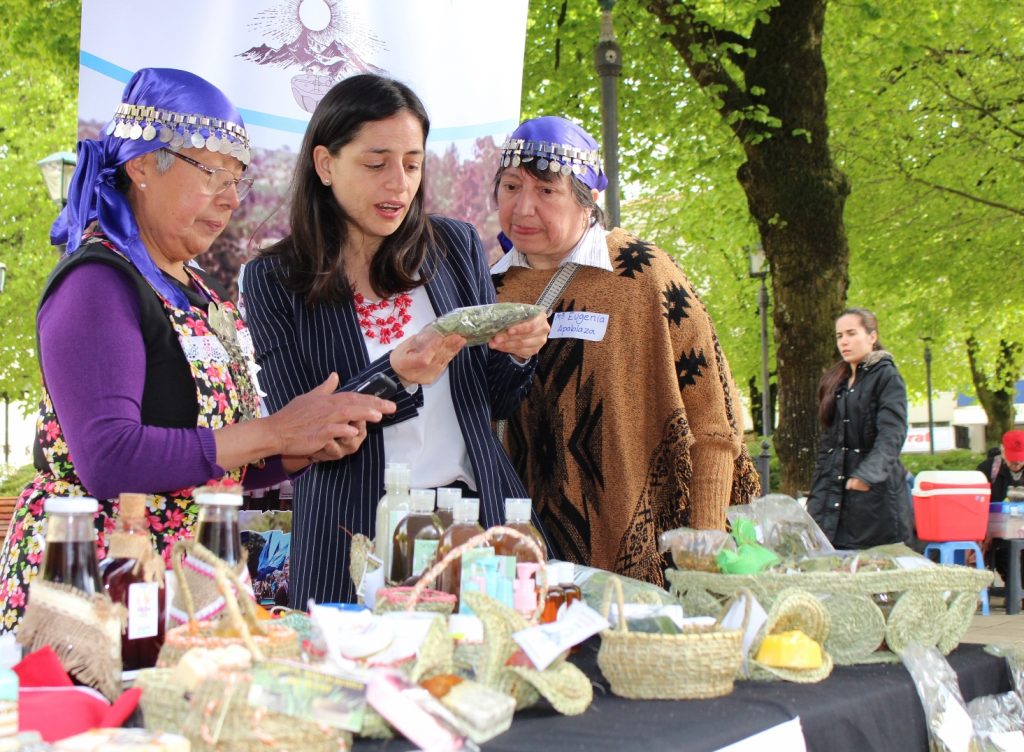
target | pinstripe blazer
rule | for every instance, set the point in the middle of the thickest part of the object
(298, 347)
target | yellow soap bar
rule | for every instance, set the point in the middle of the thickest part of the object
(792, 649)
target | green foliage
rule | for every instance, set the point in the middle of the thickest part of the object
(14, 483)
(955, 459)
(925, 117)
(39, 75)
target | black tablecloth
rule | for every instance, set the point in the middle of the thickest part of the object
(857, 709)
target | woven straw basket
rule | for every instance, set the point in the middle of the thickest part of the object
(699, 663)
(263, 638)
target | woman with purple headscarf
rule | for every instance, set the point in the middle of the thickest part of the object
(633, 425)
(149, 384)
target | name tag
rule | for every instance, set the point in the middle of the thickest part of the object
(579, 325)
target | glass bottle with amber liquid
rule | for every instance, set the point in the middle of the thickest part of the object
(70, 555)
(416, 538)
(517, 517)
(465, 525)
(133, 575)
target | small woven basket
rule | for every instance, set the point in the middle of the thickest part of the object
(420, 590)
(263, 638)
(397, 599)
(698, 663)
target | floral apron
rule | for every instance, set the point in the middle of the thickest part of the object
(226, 393)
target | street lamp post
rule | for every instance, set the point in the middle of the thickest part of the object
(608, 62)
(759, 270)
(928, 382)
(57, 170)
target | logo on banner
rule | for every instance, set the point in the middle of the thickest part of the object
(319, 39)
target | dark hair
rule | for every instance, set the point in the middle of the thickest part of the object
(580, 190)
(313, 262)
(841, 371)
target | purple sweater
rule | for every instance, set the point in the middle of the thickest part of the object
(94, 368)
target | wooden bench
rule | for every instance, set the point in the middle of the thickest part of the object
(6, 510)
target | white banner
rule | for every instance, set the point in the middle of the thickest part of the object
(276, 58)
(919, 441)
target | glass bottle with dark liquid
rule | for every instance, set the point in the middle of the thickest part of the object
(132, 574)
(416, 537)
(517, 517)
(218, 527)
(70, 555)
(465, 526)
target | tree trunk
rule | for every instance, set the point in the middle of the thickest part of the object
(795, 193)
(996, 393)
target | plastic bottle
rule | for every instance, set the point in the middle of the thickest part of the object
(464, 527)
(70, 556)
(392, 507)
(132, 575)
(218, 528)
(525, 588)
(446, 498)
(416, 537)
(517, 517)
(10, 656)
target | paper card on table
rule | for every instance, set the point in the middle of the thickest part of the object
(371, 582)
(301, 692)
(956, 728)
(734, 620)
(542, 644)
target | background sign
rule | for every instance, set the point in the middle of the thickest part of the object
(275, 59)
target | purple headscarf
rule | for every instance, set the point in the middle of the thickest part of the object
(558, 145)
(161, 108)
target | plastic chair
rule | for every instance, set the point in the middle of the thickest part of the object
(1011, 591)
(955, 552)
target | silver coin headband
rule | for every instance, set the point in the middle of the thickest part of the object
(177, 130)
(554, 157)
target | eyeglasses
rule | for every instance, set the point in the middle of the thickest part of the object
(218, 179)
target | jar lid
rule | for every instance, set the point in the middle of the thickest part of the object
(422, 500)
(446, 497)
(517, 510)
(71, 505)
(218, 498)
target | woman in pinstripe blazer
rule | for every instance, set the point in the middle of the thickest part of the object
(363, 268)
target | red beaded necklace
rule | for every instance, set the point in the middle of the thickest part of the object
(384, 328)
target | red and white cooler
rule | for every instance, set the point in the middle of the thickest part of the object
(951, 505)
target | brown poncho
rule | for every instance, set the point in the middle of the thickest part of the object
(641, 432)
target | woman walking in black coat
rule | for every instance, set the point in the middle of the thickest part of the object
(859, 495)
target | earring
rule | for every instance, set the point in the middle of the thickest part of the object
(327, 182)
(142, 186)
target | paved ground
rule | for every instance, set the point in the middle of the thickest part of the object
(996, 628)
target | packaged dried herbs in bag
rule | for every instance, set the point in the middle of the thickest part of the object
(479, 323)
(949, 726)
(787, 528)
(998, 720)
(695, 549)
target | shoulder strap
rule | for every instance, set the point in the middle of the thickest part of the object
(557, 284)
(997, 465)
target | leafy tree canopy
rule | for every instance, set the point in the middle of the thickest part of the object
(39, 73)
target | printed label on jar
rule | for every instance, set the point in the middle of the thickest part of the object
(423, 553)
(143, 609)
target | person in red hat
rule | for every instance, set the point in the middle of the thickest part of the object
(1004, 468)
